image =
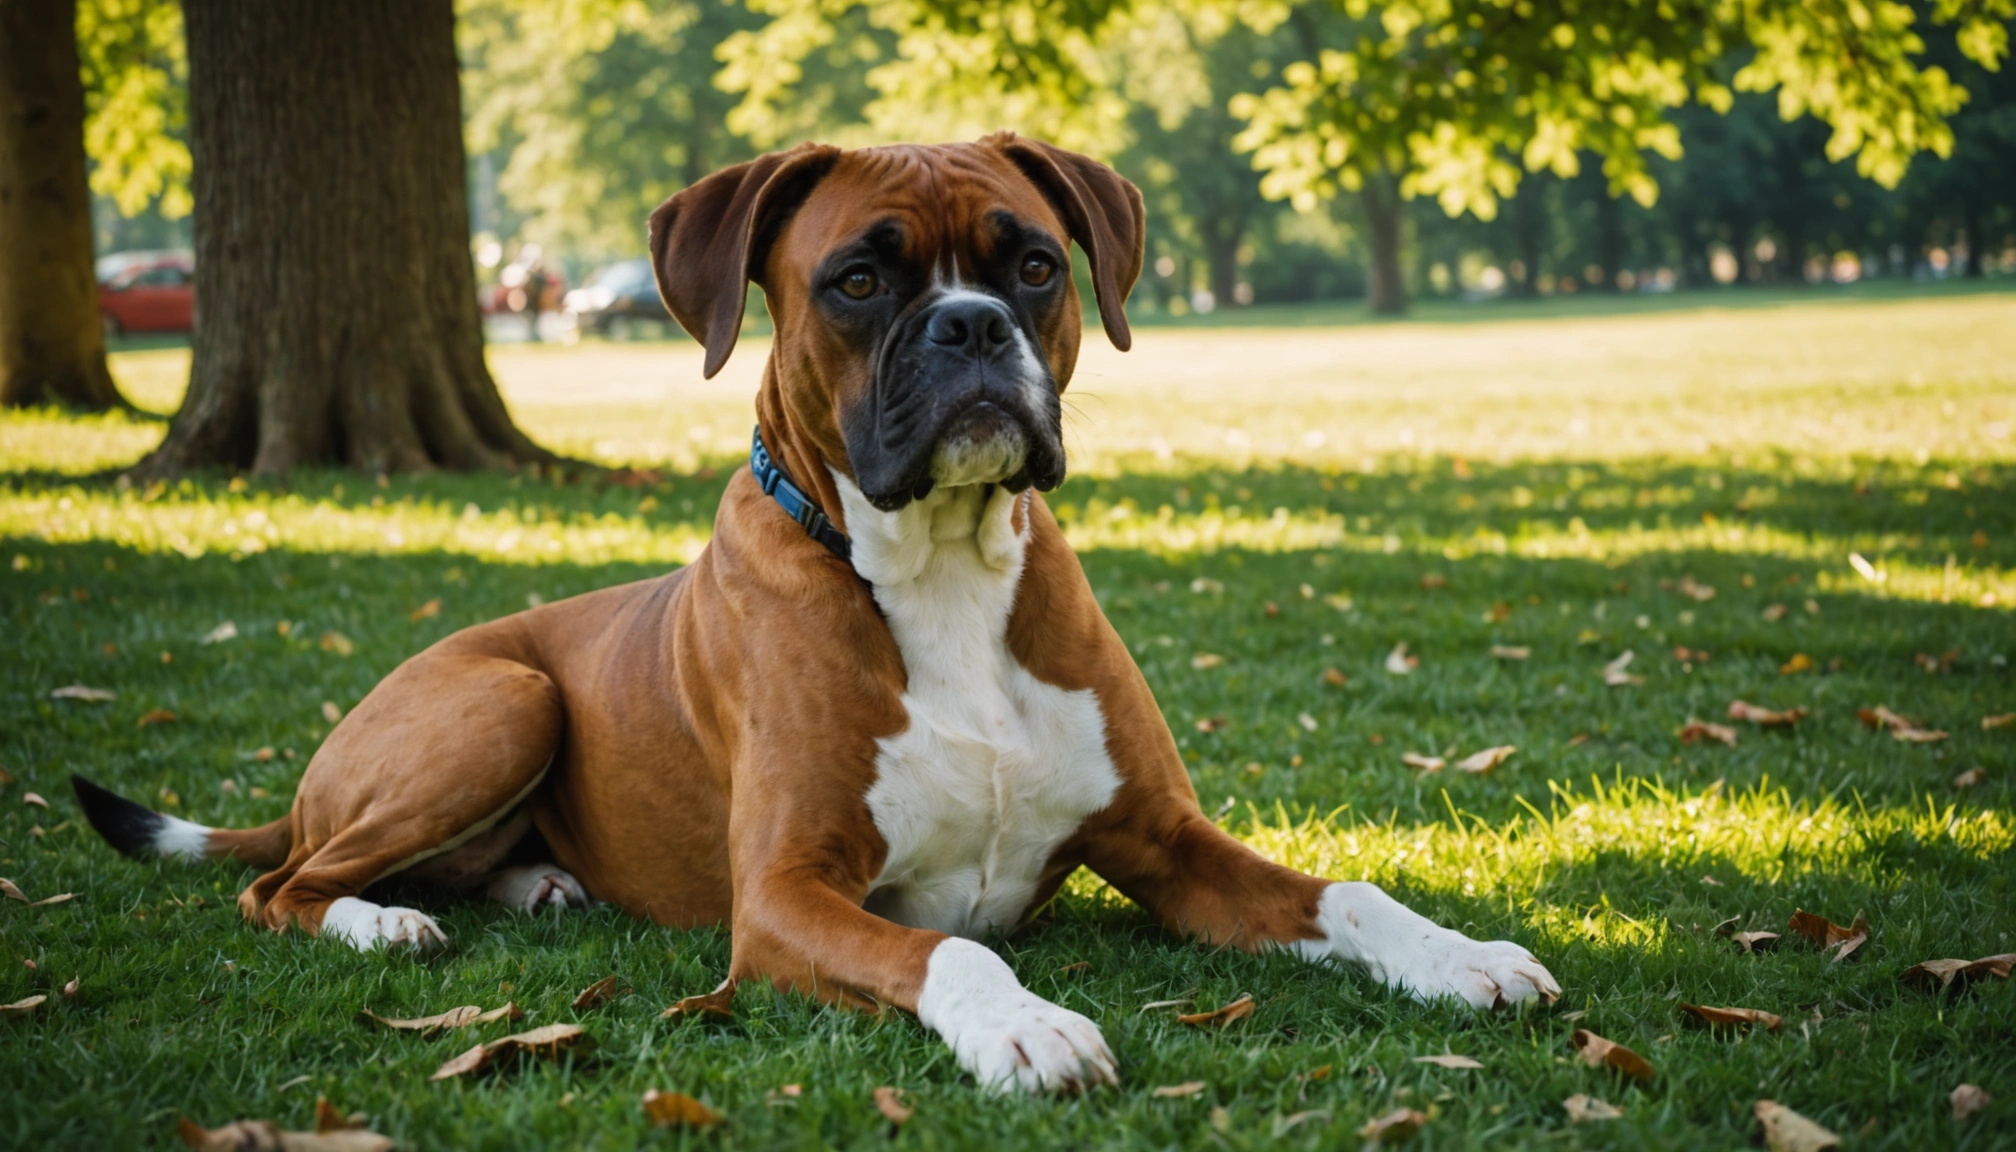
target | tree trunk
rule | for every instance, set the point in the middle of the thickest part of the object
(1609, 240)
(1529, 225)
(337, 322)
(1221, 256)
(1977, 248)
(1381, 197)
(52, 342)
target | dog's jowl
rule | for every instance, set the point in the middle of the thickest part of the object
(881, 717)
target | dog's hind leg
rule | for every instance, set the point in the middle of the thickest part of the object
(444, 753)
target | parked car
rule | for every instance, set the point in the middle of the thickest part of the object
(618, 300)
(147, 292)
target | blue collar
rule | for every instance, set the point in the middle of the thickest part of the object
(794, 501)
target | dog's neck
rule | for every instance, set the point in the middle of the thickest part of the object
(975, 522)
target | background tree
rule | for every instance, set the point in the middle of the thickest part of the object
(339, 321)
(52, 347)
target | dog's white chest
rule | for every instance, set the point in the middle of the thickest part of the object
(996, 769)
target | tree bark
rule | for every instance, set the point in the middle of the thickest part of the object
(52, 341)
(1977, 247)
(1221, 253)
(1529, 225)
(338, 321)
(1381, 198)
(1609, 240)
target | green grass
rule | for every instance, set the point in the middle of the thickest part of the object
(1602, 459)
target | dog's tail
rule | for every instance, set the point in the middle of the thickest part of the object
(145, 834)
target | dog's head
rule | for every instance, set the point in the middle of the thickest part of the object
(925, 314)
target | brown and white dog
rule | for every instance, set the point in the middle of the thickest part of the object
(861, 768)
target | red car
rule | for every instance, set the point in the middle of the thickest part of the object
(147, 292)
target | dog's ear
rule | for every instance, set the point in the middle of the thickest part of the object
(1104, 213)
(709, 239)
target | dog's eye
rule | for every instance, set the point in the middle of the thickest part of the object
(858, 283)
(1037, 270)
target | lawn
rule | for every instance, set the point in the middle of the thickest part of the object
(1289, 500)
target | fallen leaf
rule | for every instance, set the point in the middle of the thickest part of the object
(510, 1011)
(1074, 969)
(1901, 727)
(444, 1022)
(331, 712)
(1800, 662)
(1946, 972)
(21, 1007)
(265, 1136)
(1335, 678)
(1788, 1131)
(8, 889)
(1395, 1127)
(678, 1110)
(1688, 655)
(1582, 1109)
(1733, 1017)
(1434, 580)
(1270, 609)
(1486, 760)
(1210, 724)
(1830, 935)
(1695, 731)
(1918, 735)
(156, 716)
(1692, 590)
(1968, 1099)
(1204, 660)
(1510, 652)
(1152, 1005)
(1237, 1010)
(1449, 1061)
(1307, 721)
(1178, 1091)
(549, 1041)
(1765, 717)
(329, 1118)
(1990, 723)
(337, 642)
(1774, 612)
(1399, 663)
(595, 994)
(1755, 941)
(36, 799)
(1614, 673)
(80, 692)
(1971, 777)
(719, 1002)
(70, 989)
(1599, 1053)
(1424, 763)
(425, 611)
(1204, 584)
(890, 1102)
(57, 899)
(222, 632)
(792, 1090)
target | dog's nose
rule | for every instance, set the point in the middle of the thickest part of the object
(975, 324)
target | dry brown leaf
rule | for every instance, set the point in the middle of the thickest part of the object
(1971, 777)
(1755, 941)
(1434, 580)
(1204, 660)
(1395, 1127)
(1582, 1109)
(1765, 717)
(11, 892)
(549, 1041)
(1800, 662)
(60, 898)
(265, 1136)
(1510, 652)
(595, 994)
(1968, 1099)
(1917, 735)
(1788, 1131)
(1399, 663)
(1237, 1010)
(1486, 760)
(425, 611)
(1599, 1053)
(6, 778)
(22, 1007)
(890, 1102)
(1424, 763)
(1695, 731)
(1450, 1060)
(1728, 927)
(678, 1110)
(1335, 677)
(1074, 969)
(1830, 935)
(1990, 723)
(331, 712)
(156, 716)
(1178, 1091)
(35, 798)
(70, 989)
(1614, 673)
(509, 1011)
(1946, 972)
(1733, 1017)
(1154, 1004)
(1209, 724)
(720, 1002)
(1700, 592)
(338, 643)
(1774, 612)
(329, 1118)
(80, 692)
(444, 1022)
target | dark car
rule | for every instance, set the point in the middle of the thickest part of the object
(147, 292)
(619, 301)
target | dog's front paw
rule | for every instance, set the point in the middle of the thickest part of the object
(365, 926)
(1485, 974)
(1005, 1035)
(531, 887)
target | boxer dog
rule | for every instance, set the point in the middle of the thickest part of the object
(882, 716)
